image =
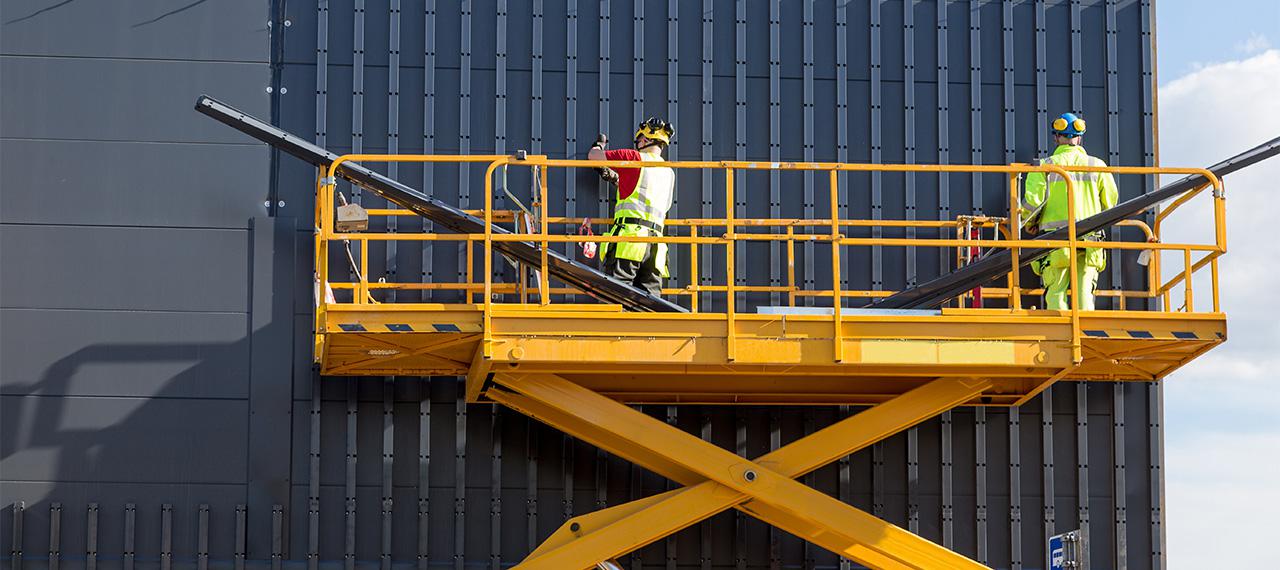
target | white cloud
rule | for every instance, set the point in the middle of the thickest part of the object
(1223, 429)
(1255, 43)
(1216, 496)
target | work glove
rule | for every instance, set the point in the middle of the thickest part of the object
(606, 174)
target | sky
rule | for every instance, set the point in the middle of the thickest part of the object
(1219, 94)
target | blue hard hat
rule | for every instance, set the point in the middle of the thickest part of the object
(1068, 124)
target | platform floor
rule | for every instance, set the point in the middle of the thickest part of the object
(687, 358)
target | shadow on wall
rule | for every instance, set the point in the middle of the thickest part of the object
(172, 437)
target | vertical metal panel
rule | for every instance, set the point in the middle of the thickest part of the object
(495, 489)
(913, 480)
(775, 130)
(202, 535)
(944, 129)
(704, 528)
(1113, 126)
(1120, 490)
(535, 108)
(428, 139)
(673, 73)
(130, 534)
(1010, 104)
(1155, 443)
(424, 474)
(1046, 451)
(388, 462)
(739, 519)
(739, 148)
(975, 105)
(571, 104)
(500, 80)
(531, 484)
(357, 86)
(55, 537)
(241, 540)
(1015, 489)
(460, 483)
(807, 116)
(322, 72)
(15, 550)
(349, 534)
(842, 124)
(980, 480)
(637, 64)
(1150, 141)
(708, 128)
(909, 125)
(393, 134)
(1077, 60)
(775, 441)
(465, 171)
(1082, 459)
(313, 478)
(673, 554)
(948, 499)
(1042, 87)
(603, 207)
(166, 537)
(877, 178)
(277, 537)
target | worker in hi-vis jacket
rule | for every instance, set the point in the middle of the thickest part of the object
(644, 196)
(1045, 205)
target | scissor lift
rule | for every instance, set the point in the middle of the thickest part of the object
(578, 366)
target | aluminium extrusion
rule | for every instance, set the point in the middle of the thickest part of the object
(590, 280)
(937, 291)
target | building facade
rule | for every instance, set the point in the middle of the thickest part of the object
(159, 407)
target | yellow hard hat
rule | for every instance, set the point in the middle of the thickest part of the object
(655, 129)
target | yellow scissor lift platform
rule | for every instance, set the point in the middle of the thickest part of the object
(577, 366)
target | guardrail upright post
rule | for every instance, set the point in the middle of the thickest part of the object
(1073, 267)
(1015, 227)
(693, 270)
(791, 266)
(486, 343)
(364, 270)
(837, 300)
(1189, 297)
(730, 270)
(544, 280)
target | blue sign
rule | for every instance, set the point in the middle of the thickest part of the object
(1057, 553)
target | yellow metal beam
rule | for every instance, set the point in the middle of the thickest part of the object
(774, 496)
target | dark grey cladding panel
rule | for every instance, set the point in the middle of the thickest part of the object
(111, 498)
(132, 184)
(124, 353)
(227, 30)
(130, 100)
(75, 267)
(123, 440)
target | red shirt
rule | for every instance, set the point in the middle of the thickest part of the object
(627, 177)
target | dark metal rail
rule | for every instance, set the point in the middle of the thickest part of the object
(588, 279)
(997, 262)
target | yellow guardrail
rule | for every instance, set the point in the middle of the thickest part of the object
(700, 234)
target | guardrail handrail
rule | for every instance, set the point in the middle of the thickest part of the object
(1155, 288)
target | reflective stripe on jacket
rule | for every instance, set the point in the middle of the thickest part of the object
(652, 198)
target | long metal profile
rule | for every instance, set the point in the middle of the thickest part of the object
(590, 280)
(996, 263)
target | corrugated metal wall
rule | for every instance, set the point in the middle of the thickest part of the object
(155, 348)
